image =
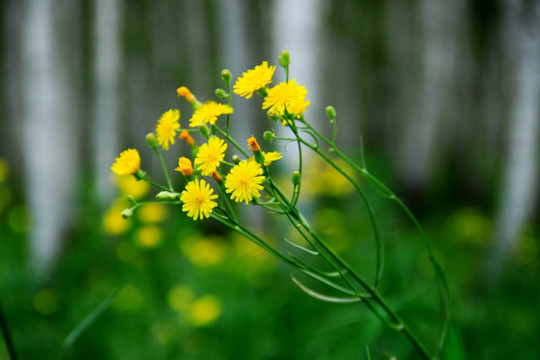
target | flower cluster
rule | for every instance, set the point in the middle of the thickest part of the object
(244, 182)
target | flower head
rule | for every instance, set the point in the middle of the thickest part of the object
(288, 96)
(197, 198)
(269, 157)
(127, 163)
(210, 155)
(244, 181)
(166, 128)
(208, 113)
(184, 166)
(254, 79)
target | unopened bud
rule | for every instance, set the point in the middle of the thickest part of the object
(296, 178)
(166, 196)
(217, 177)
(151, 141)
(236, 159)
(204, 131)
(130, 199)
(284, 58)
(331, 112)
(273, 115)
(127, 213)
(268, 136)
(226, 75)
(139, 175)
(185, 167)
(253, 145)
(220, 93)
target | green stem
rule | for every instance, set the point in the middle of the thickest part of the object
(231, 140)
(165, 171)
(7, 338)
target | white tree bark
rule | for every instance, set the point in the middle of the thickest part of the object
(438, 46)
(49, 136)
(107, 70)
(519, 187)
(296, 27)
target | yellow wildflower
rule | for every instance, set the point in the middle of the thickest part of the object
(197, 198)
(208, 113)
(286, 96)
(254, 79)
(270, 157)
(210, 155)
(127, 163)
(244, 181)
(166, 128)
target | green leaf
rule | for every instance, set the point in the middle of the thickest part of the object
(87, 321)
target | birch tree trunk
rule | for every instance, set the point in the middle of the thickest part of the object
(50, 124)
(106, 70)
(519, 187)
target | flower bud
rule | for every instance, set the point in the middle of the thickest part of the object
(203, 129)
(217, 177)
(331, 112)
(268, 136)
(220, 93)
(130, 199)
(151, 141)
(284, 58)
(139, 175)
(273, 115)
(185, 167)
(226, 75)
(167, 196)
(236, 159)
(127, 213)
(296, 178)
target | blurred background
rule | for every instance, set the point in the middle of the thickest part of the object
(445, 95)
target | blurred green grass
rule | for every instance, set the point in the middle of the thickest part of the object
(194, 291)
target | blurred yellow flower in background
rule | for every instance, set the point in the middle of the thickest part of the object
(204, 251)
(128, 185)
(205, 310)
(180, 297)
(152, 212)
(320, 178)
(113, 222)
(4, 170)
(149, 236)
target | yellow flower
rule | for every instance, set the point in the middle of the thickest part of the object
(127, 163)
(288, 96)
(254, 79)
(208, 113)
(269, 157)
(166, 128)
(210, 155)
(197, 199)
(244, 181)
(184, 166)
